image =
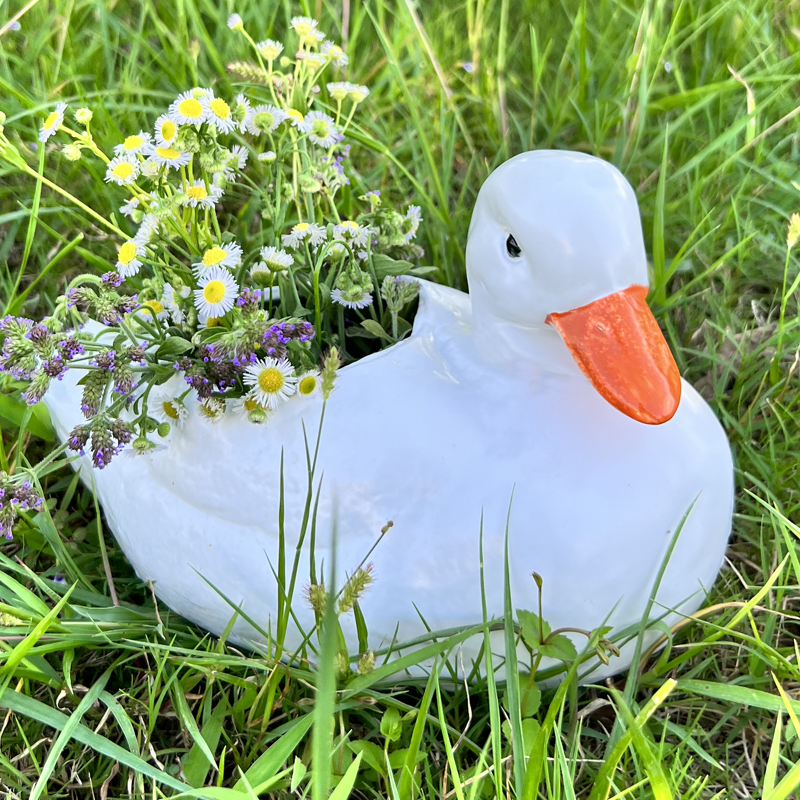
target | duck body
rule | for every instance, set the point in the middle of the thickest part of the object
(465, 426)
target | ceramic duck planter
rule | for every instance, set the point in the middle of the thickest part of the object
(551, 379)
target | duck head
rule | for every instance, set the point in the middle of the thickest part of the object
(558, 276)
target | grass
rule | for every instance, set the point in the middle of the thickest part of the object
(696, 102)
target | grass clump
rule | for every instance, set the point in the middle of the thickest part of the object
(105, 692)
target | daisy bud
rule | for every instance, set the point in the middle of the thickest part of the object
(163, 429)
(235, 23)
(285, 62)
(71, 152)
(257, 416)
(83, 116)
(267, 157)
(141, 444)
(366, 663)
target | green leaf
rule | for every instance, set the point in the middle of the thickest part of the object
(531, 628)
(174, 346)
(391, 726)
(560, 647)
(385, 265)
(268, 763)
(376, 329)
(14, 410)
(342, 791)
(372, 754)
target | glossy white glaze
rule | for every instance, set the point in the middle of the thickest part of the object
(481, 401)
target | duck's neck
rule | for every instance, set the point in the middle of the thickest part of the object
(507, 344)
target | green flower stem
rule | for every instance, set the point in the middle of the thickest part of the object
(74, 199)
(784, 300)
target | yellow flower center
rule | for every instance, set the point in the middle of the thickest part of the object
(133, 143)
(303, 29)
(212, 322)
(190, 108)
(198, 193)
(168, 131)
(335, 52)
(127, 253)
(170, 410)
(295, 114)
(167, 152)
(154, 306)
(250, 404)
(213, 292)
(270, 380)
(213, 256)
(123, 170)
(301, 227)
(307, 385)
(354, 226)
(51, 120)
(220, 108)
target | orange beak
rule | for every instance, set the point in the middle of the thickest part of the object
(618, 345)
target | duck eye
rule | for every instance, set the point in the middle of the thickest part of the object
(514, 250)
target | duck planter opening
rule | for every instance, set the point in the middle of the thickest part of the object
(550, 379)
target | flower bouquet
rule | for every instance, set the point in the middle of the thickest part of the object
(242, 258)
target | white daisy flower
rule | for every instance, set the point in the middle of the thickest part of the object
(165, 407)
(219, 113)
(151, 169)
(334, 54)
(166, 130)
(154, 308)
(321, 129)
(171, 303)
(187, 109)
(314, 60)
(169, 157)
(128, 262)
(198, 195)
(241, 111)
(217, 293)
(122, 170)
(339, 90)
(147, 229)
(212, 409)
(275, 259)
(52, 123)
(414, 214)
(269, 49)
(296, 118)
(309, 383)
(357, 93)
(264, 119)
(128, 208)
(362, 300)
(273, 381)
(235, 22)
(239, 155)
(225, 255)
(304, 26)
(247, 407)
(315, 234)
(137, 143)
(350, 231)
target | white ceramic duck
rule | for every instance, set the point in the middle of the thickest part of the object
(550, 379)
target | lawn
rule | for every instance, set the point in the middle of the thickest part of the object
(105, 694)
